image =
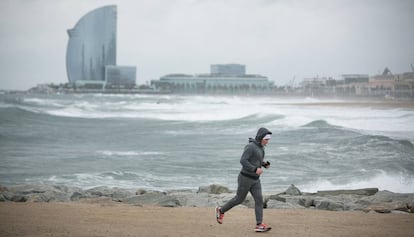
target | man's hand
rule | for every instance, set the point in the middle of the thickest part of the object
(259, 171)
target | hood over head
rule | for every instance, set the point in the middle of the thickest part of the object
(261, 133)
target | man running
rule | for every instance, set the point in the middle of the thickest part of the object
(249, 179)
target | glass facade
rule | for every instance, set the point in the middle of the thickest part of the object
(92, 45)
(224, 78)
(120, 76)
(212, 83)
(228, 69)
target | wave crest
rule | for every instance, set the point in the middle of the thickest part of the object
(318, 124)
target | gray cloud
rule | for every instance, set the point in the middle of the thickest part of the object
(279, 39)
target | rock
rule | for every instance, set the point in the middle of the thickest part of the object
(36, 197)
(383, 211)
(76, 196)
(306, 202)
(117, 194)
(277, 197)
(399, 212)
(220, 199)
(57, 196)
(3, 189)
(249, 201)
(7, 195)
(388, 207)
(410, 206)
(213, 195)
(403, 207)
(100, 191)
(387, 196)
(29, 188)
(274, 204)
(169, 202)
(293, 190)
(154, 198)
(40, 193)
(391, 201)
(18, 198)
(191, 199)
(329, 205)
(140, 191)
(291, 201)
(213, 189)
(365, 191)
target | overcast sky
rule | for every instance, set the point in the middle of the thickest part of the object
(280, 39)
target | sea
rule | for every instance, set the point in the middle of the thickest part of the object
(181, 142)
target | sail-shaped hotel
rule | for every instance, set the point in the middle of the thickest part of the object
(91, 52)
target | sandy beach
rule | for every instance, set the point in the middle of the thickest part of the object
(117, 219)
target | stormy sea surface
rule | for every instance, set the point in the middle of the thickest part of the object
(169, 142)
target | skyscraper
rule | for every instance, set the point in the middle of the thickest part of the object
(92, 45)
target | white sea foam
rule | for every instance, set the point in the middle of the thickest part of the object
(43, 102)
(222, 108)
(291, 112)
(128, 153)
(383, 121)
(86, 180)
(398, 183)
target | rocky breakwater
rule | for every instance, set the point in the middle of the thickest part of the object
(367, 200)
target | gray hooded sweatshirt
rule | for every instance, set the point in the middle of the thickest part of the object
(253, 155)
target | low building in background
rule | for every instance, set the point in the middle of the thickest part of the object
(223, 79)
(352, 84)
(386, 85)
(383, 85)
(315, 86)
(119, 77)
(228, 69)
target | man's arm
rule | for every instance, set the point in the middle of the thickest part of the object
(244, 160)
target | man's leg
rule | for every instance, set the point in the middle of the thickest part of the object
(256, 191)
(243, 188)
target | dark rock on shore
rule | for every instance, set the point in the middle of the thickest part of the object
(153, 198)
(365, 192)
(213, 189)
(37, 193)
(367, 200)
(293, 190)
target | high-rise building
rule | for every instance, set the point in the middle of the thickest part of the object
(92, 47)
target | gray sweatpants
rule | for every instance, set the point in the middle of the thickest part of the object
(246, 185)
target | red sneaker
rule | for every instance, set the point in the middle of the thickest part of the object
(219, 215)
(262, 228)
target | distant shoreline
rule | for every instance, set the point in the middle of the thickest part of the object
(385, 104)
(374, 102)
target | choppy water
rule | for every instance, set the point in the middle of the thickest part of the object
(167, 142)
